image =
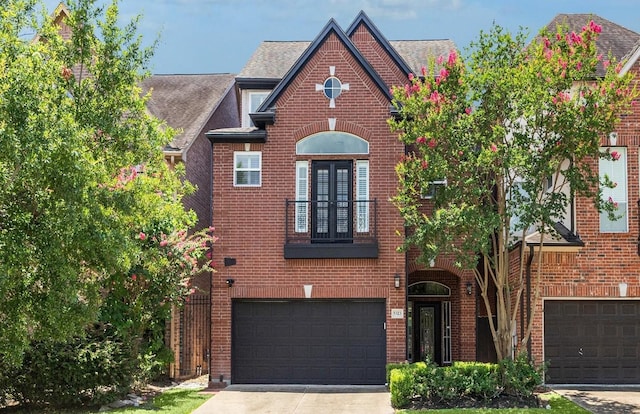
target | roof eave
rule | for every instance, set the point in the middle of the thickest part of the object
(258, 136)
(257, 83)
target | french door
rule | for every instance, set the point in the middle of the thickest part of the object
(332, 212)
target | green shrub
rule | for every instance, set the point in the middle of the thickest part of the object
(401, 387)
(520, 376)
(391, 367)
(87, 370)
(462, 380)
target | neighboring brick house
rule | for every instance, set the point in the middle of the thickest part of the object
(314, 290)
(193, 104)
(587, 326)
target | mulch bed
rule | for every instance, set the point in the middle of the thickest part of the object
(501, 401)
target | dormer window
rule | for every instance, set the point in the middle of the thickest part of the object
(251, 100)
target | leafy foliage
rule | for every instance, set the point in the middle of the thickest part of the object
(425, 384)
(92, 226)
(499, 128)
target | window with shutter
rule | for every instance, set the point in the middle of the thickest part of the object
(362, 195)
(302, 188)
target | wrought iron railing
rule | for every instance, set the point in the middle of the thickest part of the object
(331, 221)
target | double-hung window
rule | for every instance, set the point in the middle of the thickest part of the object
(616, 171)
(247, 168)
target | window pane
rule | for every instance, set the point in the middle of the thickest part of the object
(242, 177)
(616, 171)
(332, 143)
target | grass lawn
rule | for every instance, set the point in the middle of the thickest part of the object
(558, 404)
(174, 401)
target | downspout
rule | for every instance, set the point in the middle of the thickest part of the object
(529, 261)
(210, 357)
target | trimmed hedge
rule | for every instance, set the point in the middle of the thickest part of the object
(425, 383)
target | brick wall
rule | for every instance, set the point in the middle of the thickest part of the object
(251, 221)
(607, 259)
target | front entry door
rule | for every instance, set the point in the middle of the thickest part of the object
(427, 326)
(331, 201)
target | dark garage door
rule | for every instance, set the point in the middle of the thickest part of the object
(592, 342)
(308, 342)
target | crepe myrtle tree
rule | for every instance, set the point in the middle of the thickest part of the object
(515, 131)
(82, 179)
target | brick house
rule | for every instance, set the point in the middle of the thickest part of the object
(313, 289)
(193, 104)
(587, 324)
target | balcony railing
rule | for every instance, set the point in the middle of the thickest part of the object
(331, 229)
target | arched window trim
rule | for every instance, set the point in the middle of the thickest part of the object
(430, 283)
(329, 144)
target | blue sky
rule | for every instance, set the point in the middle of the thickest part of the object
(219, 36)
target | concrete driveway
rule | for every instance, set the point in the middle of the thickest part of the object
(600, 400)
(298, 399)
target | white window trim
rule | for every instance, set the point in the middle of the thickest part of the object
(606, 192)
(235, 168)
(246, 104)
(362, 194)
(428, 195)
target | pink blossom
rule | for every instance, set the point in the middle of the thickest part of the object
(134, 277)
(424, 71)
(453, 56)
(615, 155)
(494, 148)
(468, 110)
(460, 153)
(421, 140)
(424, 165)
(440, 60)
(142, 236)
(435, 97)
(411, 76)
(163, 243)
(579, 65)
(432, 143)
(595, 28)
(606, 63)
(444, 73)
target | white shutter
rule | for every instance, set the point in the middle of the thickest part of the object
(302, 189)
(362, 195)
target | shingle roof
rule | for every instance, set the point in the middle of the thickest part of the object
(416, 53)
(272, 59)
(186, 101)
(614, 39)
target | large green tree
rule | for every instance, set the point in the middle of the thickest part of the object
(91, 220)
(515, 131)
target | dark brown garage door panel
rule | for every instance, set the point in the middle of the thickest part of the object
(592, 341)
(308, 342)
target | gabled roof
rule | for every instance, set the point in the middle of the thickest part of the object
(614, 39)
(272, 59)
(363, 20)
(186, 102)
(330, 28)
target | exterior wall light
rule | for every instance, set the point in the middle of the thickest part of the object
(230, 282)
(469, 288)
(396, 281)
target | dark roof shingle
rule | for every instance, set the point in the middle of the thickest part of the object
(272, 59)
(186, 102)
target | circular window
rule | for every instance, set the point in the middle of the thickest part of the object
(332, 87)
